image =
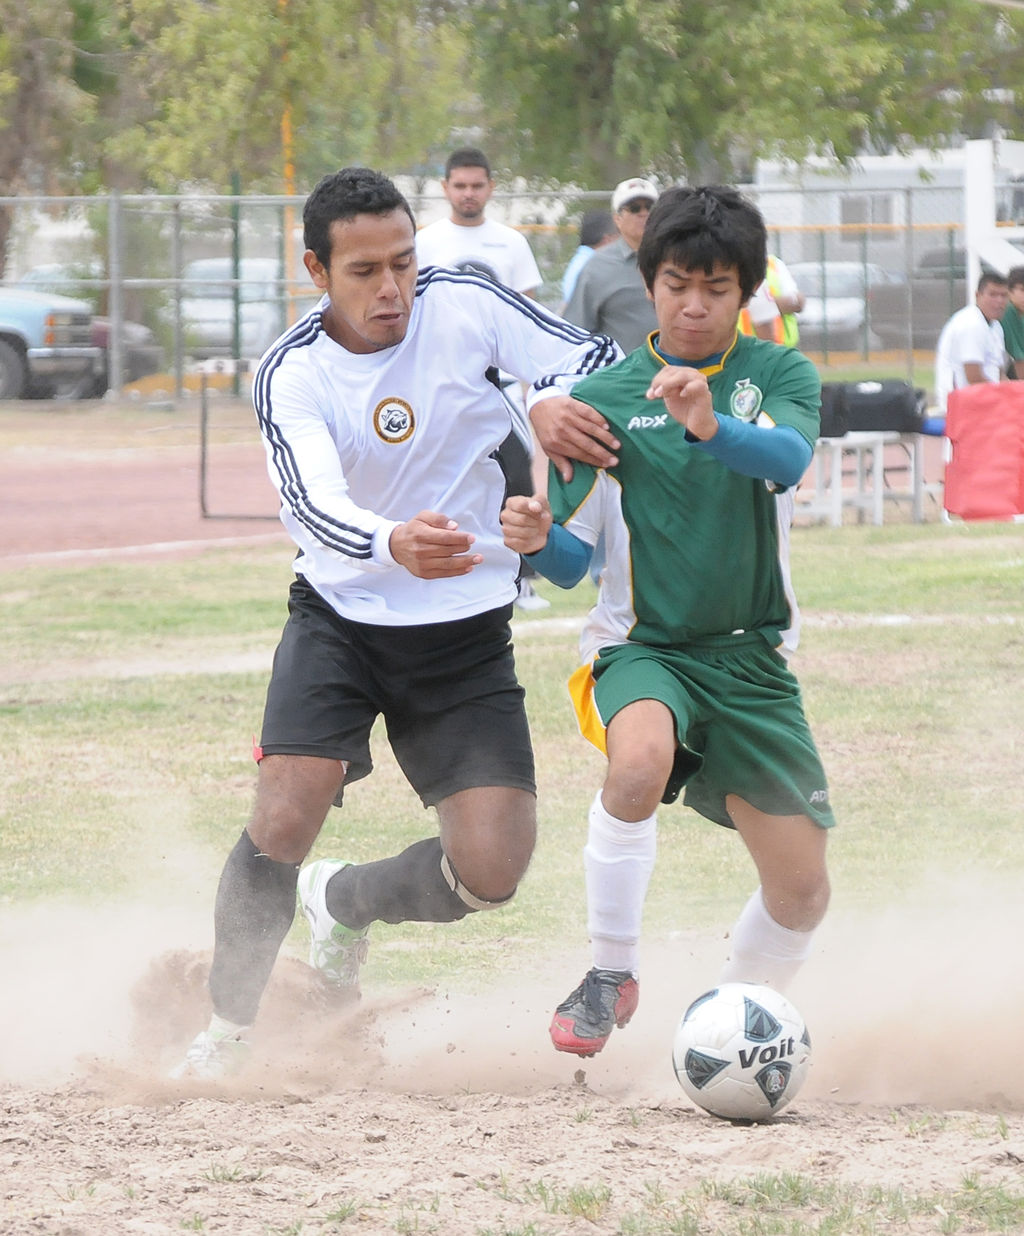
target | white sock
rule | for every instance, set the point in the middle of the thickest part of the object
(617, 860)
(221, 1028)
(763, 951)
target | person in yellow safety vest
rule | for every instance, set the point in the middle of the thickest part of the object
(771, 313)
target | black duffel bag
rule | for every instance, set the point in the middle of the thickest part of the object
(884, 406)
(833, 410)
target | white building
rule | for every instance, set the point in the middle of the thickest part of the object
(898, 205)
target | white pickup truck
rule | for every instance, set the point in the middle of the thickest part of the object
(46, 345)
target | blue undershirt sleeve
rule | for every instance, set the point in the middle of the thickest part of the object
(779, 453)
(564, 559)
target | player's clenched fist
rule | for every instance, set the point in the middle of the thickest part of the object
(687, 398)
(430, 546)
(525, 523)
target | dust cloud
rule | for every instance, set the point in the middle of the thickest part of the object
(918, 1003)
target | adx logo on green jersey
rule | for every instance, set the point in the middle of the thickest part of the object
(745, 400)
(648, 422)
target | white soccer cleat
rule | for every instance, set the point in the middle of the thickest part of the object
(213, 1056)
(335, 951)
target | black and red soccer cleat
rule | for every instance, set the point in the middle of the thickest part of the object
(583, 1022)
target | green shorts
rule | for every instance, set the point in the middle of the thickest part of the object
(739, 719)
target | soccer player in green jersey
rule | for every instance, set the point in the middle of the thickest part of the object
(1013, 322)
(683, 683)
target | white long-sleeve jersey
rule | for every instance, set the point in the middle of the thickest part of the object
(358, 443)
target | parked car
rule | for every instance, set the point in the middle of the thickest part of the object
(936, 290)
(916, 311)
(47, 345)
(835, 314)
(208, 306)
(141, 353)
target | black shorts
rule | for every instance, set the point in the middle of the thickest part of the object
(448, 692)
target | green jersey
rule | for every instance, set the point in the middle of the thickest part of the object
(692, 547)
(1013, 333)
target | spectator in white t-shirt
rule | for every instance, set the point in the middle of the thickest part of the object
(971, 348)
(468, 240)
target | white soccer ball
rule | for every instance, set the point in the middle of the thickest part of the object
(741, 1051)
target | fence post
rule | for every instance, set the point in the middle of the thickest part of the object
(865, 325)
(236, 289)
(908, 264)
(176, 266)
(115, 298)
(822, 256)
(204, 440)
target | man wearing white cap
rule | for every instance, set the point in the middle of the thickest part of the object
(610, 296)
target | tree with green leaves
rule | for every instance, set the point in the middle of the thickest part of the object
(43, 102)
(167, 94)
(591, 90)
(359, 81)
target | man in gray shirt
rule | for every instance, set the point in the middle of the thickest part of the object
(610, 296)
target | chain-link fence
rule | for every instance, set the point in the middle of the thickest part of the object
(195, 281)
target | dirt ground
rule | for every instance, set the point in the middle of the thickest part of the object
(91, 482)
(444, 1111)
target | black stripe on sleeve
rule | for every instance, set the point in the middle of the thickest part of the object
(347, 539)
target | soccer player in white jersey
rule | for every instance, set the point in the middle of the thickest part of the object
(683, 681)
(380, 430)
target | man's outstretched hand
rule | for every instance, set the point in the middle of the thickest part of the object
(569, 429)
(430, 546)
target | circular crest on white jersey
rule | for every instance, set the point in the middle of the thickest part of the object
(393, 420)
(745, 400)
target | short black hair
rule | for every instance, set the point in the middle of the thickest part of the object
(700, 227)
(595, 226)
(991, 278)
(467, 156)
(1015, 277)
(343, 195)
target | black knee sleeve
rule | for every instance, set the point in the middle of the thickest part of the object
(408, 888)
(420, 885)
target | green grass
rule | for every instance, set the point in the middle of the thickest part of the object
(124, 722)
(146, 610)
(964, 569)
(789, 1204)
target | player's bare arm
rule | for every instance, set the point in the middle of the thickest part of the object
(569, 429)
(688, 399)
(525, 523)
(430, 546)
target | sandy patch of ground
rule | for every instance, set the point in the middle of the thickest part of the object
(439, 1110)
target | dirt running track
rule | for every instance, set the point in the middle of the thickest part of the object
(92, 481)
(447, 1112)
(96, 481)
